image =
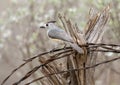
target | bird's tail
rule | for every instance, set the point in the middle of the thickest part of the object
(77, 48)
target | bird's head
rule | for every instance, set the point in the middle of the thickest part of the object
(48, 24)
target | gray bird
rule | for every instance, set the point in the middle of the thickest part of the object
(55, 32)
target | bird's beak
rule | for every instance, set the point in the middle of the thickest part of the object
(42, 27)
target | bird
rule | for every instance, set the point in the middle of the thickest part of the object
(55, 32)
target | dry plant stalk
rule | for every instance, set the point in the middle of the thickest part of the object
(75, 60)
(72, 65)
(93, 35)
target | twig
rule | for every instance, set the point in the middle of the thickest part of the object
(54, 50)
(87, 45)
(103, 44)
(29, 60)
(37, 67)
(100, 50)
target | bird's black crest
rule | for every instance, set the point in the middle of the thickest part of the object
(51, 21)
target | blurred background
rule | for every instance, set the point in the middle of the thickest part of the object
(21, 38)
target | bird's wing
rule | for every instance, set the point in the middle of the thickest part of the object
(59, 34)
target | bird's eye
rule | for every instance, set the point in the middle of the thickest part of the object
(46, 24)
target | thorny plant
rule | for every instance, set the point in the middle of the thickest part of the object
(77, 67)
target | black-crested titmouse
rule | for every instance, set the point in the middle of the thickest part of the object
(55, 32)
